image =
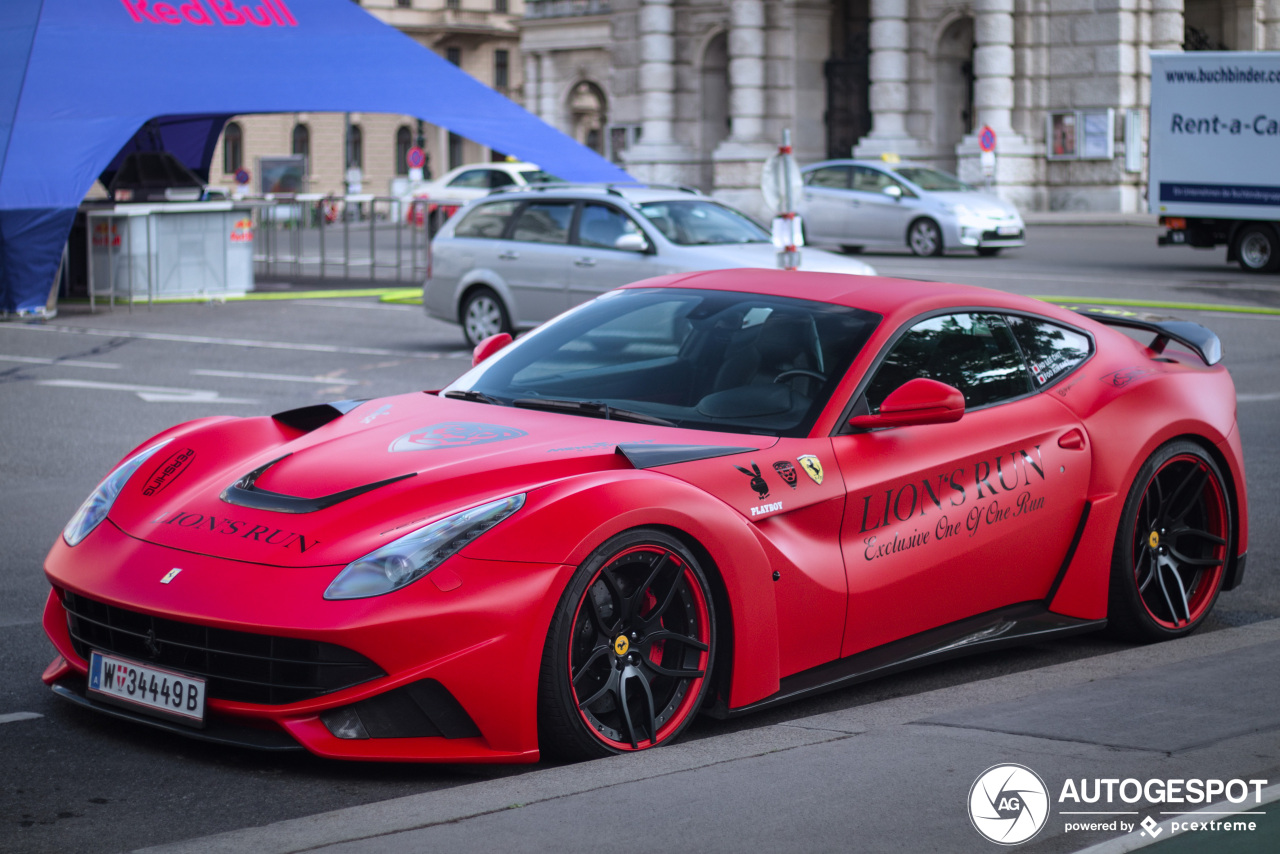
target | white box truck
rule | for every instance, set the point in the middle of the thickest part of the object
(1214, 154)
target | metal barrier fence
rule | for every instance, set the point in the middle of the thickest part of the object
(358, 237)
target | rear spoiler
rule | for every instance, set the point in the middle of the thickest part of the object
(1196, 338)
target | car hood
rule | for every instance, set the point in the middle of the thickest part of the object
(981, 204)
(319, 486)
(732, 255)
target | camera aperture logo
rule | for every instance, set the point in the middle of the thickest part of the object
(1008, 804)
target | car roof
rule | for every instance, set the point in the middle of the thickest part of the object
(634, 193)
(874, 164)
(894, 299)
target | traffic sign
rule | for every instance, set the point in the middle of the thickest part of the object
(242, 176)
(415, 158)
(987, 138)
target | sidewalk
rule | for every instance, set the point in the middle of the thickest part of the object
(885, 777)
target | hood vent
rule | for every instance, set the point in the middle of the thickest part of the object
(310, 418)
(245, 494)
(652, 456)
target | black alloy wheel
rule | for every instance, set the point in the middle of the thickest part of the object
(629, 655)
(1172, 547)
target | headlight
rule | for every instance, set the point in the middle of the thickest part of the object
(95, 507)
(415, 554)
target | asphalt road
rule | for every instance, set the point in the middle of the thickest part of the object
(78, 392)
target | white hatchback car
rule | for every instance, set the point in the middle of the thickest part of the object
(515, 259)
(473, 180)
(864, 203)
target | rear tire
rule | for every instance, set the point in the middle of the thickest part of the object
(483, 314)
(1257, 249)
(629, 654)
(1172, 545)
(924, 238)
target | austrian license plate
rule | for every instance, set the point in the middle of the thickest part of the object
(160, 692)
(1007, 230)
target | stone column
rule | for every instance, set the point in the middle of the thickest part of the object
(1166, 25)
(1271, 25)
(890, 95)
(746, 70)
(531, 100)
(657, 71)
(548, 109)
(993, 64)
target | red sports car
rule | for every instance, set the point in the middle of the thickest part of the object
(713, 491)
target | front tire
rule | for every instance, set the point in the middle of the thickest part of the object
(924, 238)
(1172, 545)
(628, 658)
(483, 314)
(1257, 250)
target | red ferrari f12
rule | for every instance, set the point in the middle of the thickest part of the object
(710, 492)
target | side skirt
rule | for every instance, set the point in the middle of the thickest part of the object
(1027, 622)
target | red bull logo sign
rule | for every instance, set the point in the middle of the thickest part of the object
(242, 231)
(210, 13)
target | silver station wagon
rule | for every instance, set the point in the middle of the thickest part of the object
(512, 260)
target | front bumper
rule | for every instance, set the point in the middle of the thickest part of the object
(983, 233)
(461, 656)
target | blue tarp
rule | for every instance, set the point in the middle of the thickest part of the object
(79, 78)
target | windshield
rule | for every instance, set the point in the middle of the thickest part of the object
(537, 176)
(712, 360)
(698, 222)
(932, 179)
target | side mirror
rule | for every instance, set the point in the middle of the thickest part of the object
(631, 243)
(893, 191)
(489, 346)
(918, 401)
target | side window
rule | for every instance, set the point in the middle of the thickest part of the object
(602, 225)
(473, 178)
(486, 221)
(976, 353)
(544, 222)
(1052, 351)
(835, 177)
(498, 178)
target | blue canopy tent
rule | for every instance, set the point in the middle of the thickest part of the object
(78, 80)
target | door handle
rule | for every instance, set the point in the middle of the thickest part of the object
(1072, 440)
(508, 255)
(584, 262)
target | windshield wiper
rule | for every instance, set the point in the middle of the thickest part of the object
(474, 396)
(596, 408)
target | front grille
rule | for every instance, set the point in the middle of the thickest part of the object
(240, 666)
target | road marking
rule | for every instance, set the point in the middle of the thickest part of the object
(1172, 306)
(1258, 398)
(14, 717)
(285, 378)
(70, 363)
(247, 342)
(151, 394)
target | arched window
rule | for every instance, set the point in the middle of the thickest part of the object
(232, 148)
(302, 143)
(404, 141)
(355, 148)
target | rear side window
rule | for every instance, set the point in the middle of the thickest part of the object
(544, 222)
(474, 178)
(486, 220)
(1051, 350)
(972, 352)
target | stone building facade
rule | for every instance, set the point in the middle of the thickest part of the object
(480, 36)
(699, 91)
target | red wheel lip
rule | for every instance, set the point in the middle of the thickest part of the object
(1207, 584)
(688, 705)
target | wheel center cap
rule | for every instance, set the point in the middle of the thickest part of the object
(1154, 539)
(621, 645)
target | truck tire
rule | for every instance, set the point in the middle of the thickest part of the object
(1258, 249)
